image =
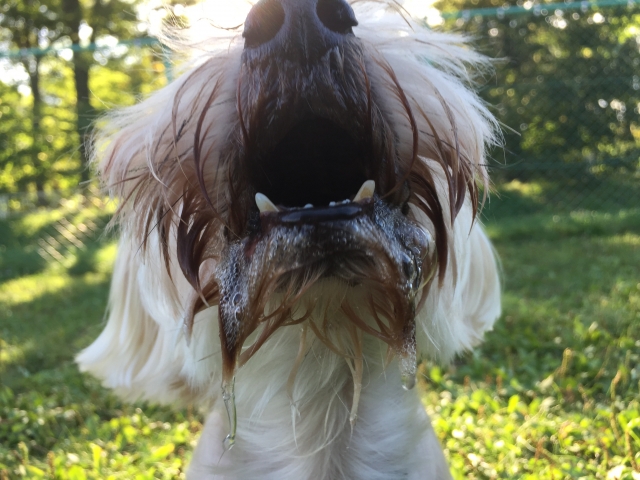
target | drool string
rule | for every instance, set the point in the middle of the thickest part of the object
(229, 398)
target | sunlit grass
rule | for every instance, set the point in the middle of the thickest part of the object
(27, 310)
(554, 393)
(77, 208)
(9, 354)
(28, 289)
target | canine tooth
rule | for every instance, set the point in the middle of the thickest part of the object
(366, 191)
(308, 205)
(264, 204)
(332, 204)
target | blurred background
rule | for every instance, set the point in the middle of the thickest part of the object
(553, 393)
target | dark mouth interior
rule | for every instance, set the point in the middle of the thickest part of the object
(316, 163)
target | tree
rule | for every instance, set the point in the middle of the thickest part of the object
(14, 122)
(66, 97)
(100, 17)
(28, 25)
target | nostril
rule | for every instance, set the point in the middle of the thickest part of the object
(263, 22)
(336, 15)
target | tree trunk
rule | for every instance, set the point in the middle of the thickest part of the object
(81, 64)
(33, 69)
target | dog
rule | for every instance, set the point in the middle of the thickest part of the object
(297, 218)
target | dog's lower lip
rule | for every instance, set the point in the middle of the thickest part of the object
(313, 215)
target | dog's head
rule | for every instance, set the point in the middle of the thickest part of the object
(324, 142)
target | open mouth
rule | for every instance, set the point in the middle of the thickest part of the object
(318, 173)
(317, 164)
(321, 166)
(318, 215)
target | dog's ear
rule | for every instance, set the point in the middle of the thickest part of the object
(436, 72)
(466, 304)
(144, 156)
(157, 157)
(454, 128)
(133, 355)
(141, 353)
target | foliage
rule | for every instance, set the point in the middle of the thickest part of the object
(566, 82)
(554, 393)
(13, 136)
(125, 76)
(55, 97)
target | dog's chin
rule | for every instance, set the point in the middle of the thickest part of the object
(358, 242)
(330, 204)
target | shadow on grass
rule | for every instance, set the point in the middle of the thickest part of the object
(22, 237)
(52, 327)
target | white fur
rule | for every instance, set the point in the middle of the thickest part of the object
(302, 432)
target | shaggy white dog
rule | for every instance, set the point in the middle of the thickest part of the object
(297, 227)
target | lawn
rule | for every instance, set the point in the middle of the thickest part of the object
(554, 392)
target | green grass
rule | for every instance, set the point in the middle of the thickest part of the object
(54, 421)
(553, 393)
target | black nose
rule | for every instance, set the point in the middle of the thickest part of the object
(298, 27)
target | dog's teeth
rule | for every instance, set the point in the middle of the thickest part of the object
(366, 191)
(308, 205)
(264, 204)
(332, 204)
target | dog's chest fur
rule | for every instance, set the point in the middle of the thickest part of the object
(305, 432)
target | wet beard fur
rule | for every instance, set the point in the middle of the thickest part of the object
(378, 251)
(388, 253)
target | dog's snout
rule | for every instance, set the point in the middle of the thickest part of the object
(298, 26)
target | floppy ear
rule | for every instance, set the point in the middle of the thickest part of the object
(466, 304)
(142, 352)
(455, 127)
(133, 355)
(144, 155)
